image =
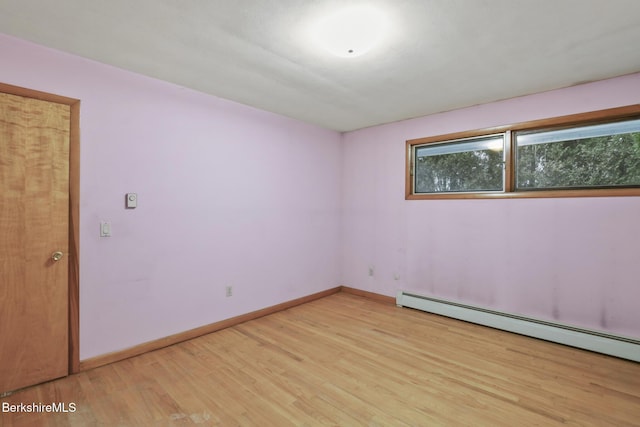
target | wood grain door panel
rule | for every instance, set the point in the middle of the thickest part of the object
(34, 223)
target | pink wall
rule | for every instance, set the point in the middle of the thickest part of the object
(228, 195)
(569, 260)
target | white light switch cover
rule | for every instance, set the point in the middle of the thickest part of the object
(105, 229)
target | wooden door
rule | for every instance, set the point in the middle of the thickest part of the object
(34, 224)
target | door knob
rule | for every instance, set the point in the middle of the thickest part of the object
(57, 256)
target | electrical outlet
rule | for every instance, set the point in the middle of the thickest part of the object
(229, 291)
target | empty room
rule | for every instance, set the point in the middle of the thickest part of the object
(309, 213)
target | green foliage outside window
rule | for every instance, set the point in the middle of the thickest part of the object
(479, 170)
(607, 161)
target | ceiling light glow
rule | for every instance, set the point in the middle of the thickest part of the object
(351, 32)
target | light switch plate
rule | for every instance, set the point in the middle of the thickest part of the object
(105, 229)
(131, 200)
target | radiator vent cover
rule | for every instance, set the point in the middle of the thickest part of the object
(613, 345)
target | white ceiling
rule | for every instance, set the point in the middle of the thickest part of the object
(440, 55)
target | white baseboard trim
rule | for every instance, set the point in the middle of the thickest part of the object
(613, 345)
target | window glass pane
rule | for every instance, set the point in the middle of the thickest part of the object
(475, 164)
(582, 157)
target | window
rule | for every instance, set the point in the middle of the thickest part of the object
(473, 164)
(592, 154)
(598, 156)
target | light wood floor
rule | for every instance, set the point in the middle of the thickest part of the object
(348, 361)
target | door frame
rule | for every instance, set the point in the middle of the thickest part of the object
(74, 213)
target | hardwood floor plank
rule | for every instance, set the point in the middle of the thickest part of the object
(345, 360)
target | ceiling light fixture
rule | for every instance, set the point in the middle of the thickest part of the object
(351, 32)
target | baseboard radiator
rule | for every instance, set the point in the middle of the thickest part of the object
(613, 345)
